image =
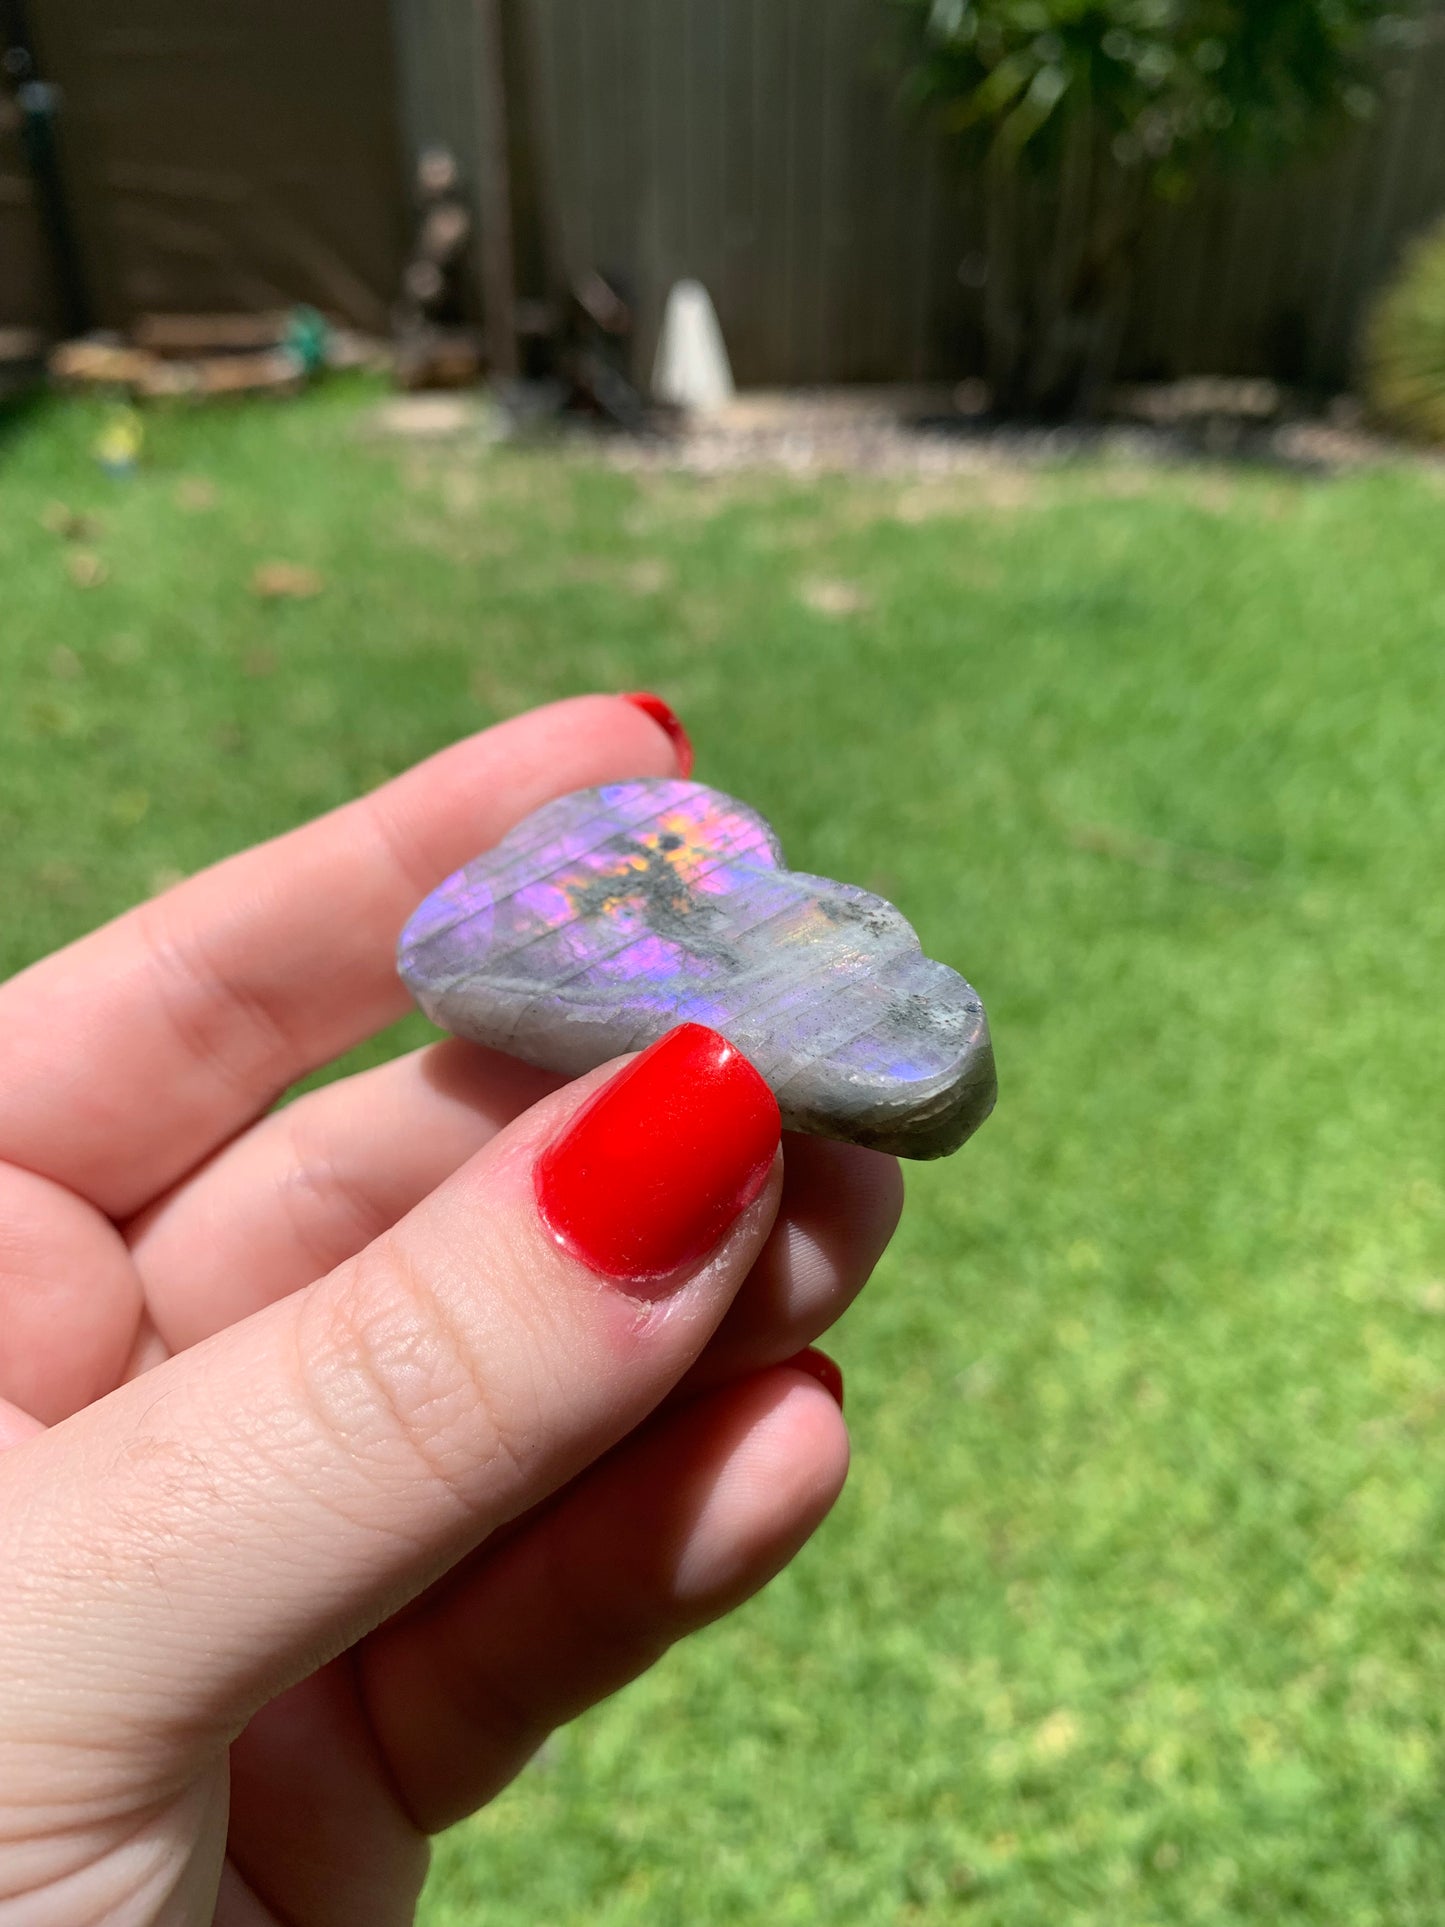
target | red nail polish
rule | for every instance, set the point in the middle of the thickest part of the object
(667, 718)
(652, 1171)
(818, 1365)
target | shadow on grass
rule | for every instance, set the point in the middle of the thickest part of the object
(24, 397)
(1292, 448)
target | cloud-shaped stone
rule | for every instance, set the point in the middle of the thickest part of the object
(610, 915)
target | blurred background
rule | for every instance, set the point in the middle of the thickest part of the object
(1008, 433)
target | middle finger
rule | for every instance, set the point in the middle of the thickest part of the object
(311, 1185)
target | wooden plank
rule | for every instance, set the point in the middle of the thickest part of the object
(658, 47)
(1245, 291)
(494, 192)
(772, 161)
(604, 105)
(835, 227)
(1402, 148)
(1283, 344)
(626, 246)
(1425, 201)
(914, 191)
(1312, 196)
(1372, 165)
(707, 140)
(741, 280)
(27, 284)
(806, 81)
(872, 147)
(924, 251)
(548, 47)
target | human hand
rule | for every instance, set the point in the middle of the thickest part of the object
(357, 1481)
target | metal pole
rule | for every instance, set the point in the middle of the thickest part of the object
(39, 102)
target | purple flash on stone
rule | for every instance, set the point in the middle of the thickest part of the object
(611, 915)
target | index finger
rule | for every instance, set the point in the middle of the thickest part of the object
(134, 1053)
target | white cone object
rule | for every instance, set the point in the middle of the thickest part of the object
(692, 368)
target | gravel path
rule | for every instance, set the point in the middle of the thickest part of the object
(924, 433)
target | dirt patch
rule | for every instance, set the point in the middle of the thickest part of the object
(831, 596)
(649, 575)
(1006, 490)
(469, 414)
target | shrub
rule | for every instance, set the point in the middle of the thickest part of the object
(1405, 344)
(1104, 105)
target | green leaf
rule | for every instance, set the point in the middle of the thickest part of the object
(1046, 90)
(995, 94)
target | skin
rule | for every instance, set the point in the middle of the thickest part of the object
(330, 1484)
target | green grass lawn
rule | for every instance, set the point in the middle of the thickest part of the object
(1134, 1609)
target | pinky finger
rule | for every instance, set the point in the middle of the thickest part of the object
(676, 1527)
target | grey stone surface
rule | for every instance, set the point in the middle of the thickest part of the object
(613, 914)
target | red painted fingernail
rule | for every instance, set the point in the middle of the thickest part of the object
(650, 1174)
(818, 1365)
(668, 719)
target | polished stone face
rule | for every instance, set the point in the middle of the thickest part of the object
(611, 915)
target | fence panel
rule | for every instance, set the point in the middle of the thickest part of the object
(229, 157)
(758, 144)
(238, 156)
(27, 299)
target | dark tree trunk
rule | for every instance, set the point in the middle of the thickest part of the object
(1061, 269)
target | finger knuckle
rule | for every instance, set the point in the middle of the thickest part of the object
(330, 1214)
(397, 1380)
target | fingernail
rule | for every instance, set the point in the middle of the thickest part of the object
(648, 1176)
(668, 719)
(818, 1365)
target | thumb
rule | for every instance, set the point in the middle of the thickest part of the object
(197, 1541)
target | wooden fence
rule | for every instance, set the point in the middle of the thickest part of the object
(27, 295)
(758, 144)
(237, 156)
(230, 156)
